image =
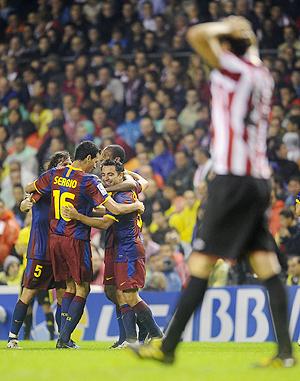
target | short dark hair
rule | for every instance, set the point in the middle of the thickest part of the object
(287, 213)
(18, 186)
(118, 165)
(238, 46)
(117, 151)
(57, 158)
(84, 149)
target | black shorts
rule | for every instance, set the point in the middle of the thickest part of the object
(235, 221)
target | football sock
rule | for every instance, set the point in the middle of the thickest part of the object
(122, 333)
(190, 299)
(129, 321)
(66, 301)
(27, 326)
(18, 318)
(50, 324)
(278, 304)
(74, 315)
(58, 316)
(144, 316)
(143, 331)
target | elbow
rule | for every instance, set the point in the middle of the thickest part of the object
(145, 185)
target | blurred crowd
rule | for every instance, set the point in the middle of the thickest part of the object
(121, 72)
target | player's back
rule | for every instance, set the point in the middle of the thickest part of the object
(241, 96)
(38, 241)
(69, 185)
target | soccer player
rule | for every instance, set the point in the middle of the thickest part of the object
(116, 153)
(297, 208)
(128, 268)
(234, 223)
(69, 240)
(38, 275)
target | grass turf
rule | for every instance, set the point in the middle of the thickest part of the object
(39, 361)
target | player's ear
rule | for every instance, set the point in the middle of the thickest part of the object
(89, 158)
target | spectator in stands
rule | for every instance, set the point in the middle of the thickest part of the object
(204, 162)
(163, 161)
(293, 190)
(18, 194)
(11, 274)
(283, 167)
(189, 114)
(288, 238)
(293, 272)
(24, 155)
(181, 178)
(129, 130)
(9, 231)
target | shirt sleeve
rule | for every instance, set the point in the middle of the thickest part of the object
(36, 197)
(298, 199)
(43, 183)
(138, 188)
(96, 192)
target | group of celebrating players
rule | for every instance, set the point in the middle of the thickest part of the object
(66, 201)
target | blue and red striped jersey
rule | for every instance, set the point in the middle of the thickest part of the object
(125, 234)
(38, 240)
(67, 186)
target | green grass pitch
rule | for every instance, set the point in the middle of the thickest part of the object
(39, 361)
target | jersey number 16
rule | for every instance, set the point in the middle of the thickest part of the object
(61, 200)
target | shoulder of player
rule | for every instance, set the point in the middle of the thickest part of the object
(124, 195)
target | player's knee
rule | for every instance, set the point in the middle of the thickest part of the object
(59, 295)
(110, 293)
(83, 289)
(201, 265)
(71, 287)
(131, 297)
(27, 295)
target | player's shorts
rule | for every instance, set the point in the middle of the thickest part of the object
(38, 275)
(109, 272)
(235, 221)
(71, 259)
(130, 274)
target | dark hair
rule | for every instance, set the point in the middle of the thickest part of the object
(84, 149)
(118, 165)
(57, 158)
(237, 46)
(18, 186)
(287, 213)
(117, 152)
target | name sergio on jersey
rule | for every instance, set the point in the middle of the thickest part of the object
(62, 181)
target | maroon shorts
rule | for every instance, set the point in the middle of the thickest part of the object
(38, 275)
(131, 274)
(71, 259)
(109, 271)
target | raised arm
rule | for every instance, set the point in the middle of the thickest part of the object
(117, 208)
(100, 223)
(143, 182)
(205, 38)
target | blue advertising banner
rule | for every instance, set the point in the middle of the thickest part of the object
(238, 314)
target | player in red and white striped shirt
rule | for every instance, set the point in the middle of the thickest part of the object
(234, 223)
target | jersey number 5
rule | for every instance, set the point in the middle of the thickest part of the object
(61, 200)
